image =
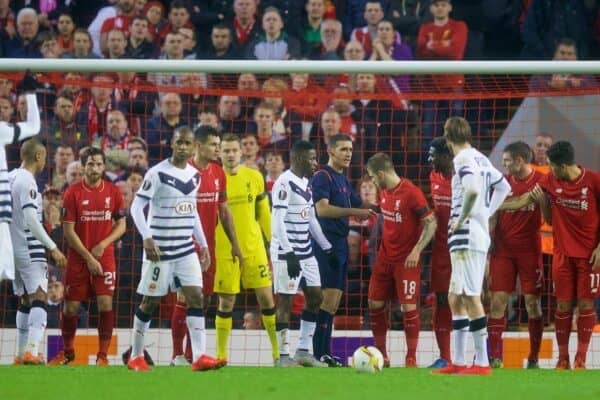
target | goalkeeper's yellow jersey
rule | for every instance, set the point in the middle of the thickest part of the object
(249, 206)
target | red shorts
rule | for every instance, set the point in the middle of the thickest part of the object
(80, 285)
(390, 281)
(574, 279)
(440, 277)
(504, 270)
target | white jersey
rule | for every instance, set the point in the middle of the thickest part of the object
(294, 222)
(25, 194)
(474, 232)
(7, 136)
(172, 210)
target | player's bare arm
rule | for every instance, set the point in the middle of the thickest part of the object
(326, 210)
(595, 258)
(541, 198)
(226, 219)
(60, 261)
(117, 231)
(76, 244)
(429, 227)
(517, 203)
(152, 250)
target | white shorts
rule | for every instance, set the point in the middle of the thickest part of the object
(7, 261)
(29, 277)
(282, 283)
(158, 277)
(468, 270)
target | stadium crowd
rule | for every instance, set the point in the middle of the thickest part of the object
(132, 117)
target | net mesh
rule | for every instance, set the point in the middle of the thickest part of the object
(380, 113)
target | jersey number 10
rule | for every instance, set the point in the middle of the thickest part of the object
(487, 182)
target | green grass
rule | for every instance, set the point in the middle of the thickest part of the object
(113, 383)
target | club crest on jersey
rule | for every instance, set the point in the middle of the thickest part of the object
(397, 205)
(33, 194)
(184, 208)
(584, 192)
(146, 185)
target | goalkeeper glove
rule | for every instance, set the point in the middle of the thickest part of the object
(332, 259)
(293, 265)
(29, 83)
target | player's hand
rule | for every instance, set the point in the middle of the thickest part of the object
(537, 194)
(364, 213)
(332, 260)
(413, 258)
(94, 267)
(98, 250)
(595, 258)
(236, 254)
(293, 265)
(456, 224)
(152, 250)
(204, 259)
(60, 261)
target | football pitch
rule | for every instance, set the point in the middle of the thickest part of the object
(113, 383)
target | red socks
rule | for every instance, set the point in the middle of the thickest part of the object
(379, 326)
(412, 326)
(105, 330)
(562, 324)
(178, 327)
(536, 330)
(69, 327)
(585, 326)
(496, 327)
(442, 325)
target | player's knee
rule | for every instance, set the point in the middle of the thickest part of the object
(408, 307)
(104, 303)
(149, 304)
(226, 302)
(375, 304)
(564, 306)
(585, 304)
(71, 308)
(498, 304)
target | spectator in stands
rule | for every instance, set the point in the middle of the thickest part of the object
(387, 47)
(7, 21)
(57, 178)
(65, 28)
(566, 50)
(407, 17)
(172, 50)
(191, 100)
(117, 133)
(287, 123)
(121, 21)
(373, 14)
(179, 17)
(309, 31)
(251, 157)
(442, 39)
(6, 88)
(230, 117)
(159, 129)
(208, 116)
(74, 173)
(82, 45)
(104, 13)
(245, 30)
(72, 85)
(154, 11)
(274, 167)
(548, 21)
(275, 44)
(353, 124)
(189, 41)
(62, 129)
(92, 114)
(138, 45)
(543, 141)
(7, 110)
(332, 44)
(134, 177)
(252, 320)
(137, 142)
(306, 99)
(268, 137)
(126, 193)
(291, 11)
(247, 82)
(116, 44)
(221, 46)
(138, 158)
(132, 97)
(23, 44)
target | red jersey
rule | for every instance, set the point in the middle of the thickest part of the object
(448, 43)
(441, 194)
(211, 192)
(518, 232)
(574, 205)
(402, 207)
(93, 210)
(120, 22)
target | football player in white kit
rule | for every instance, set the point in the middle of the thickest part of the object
(294, 225)
(10, 133)
(478, 189)
(30, 241)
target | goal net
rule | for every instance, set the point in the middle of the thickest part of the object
(398, 114)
